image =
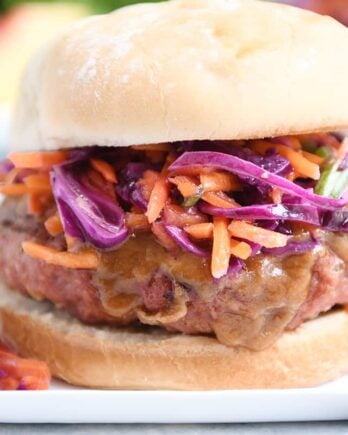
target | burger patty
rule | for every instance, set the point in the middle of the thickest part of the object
(142, 281)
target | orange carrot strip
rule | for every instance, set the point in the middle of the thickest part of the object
(79, 260)
(15, 189)
(178, 216)
(147, 183)
(169, 160)
(200, 231)
(105, 169)
(240, 249)
(164, 147)
(37, 159)
(71, 242)
(313, 158)
(163, 237)
(54, 225)
(158, 198)
(267, 238)
(219, 199)
(137, 221)
(291, 141)
(276, 195)
(11, 176)
(35, 206)
(221, 248)
(38, 183)
(187, 186)
(301, 165)
(216, 181)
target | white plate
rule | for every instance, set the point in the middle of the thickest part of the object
(63, 404)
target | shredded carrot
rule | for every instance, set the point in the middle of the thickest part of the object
(216, 181)
(240, 249)
(54, 225)
(200, 231)
(147, 182)
(43, 159)
(169, 160)
(11, 176)
(163, 147)
(300, 163)
(78, 260)
(38, 183)
(15, 189)
(186, 185)
(313, 158)
(105, 169)
(181, 217)
(276, 195)
(71, 242)
(163, 237)
(219, 199)
(266, 238)
(35, 204)
(137, 221)
(221, 248)
(158, 198)
(290, 141)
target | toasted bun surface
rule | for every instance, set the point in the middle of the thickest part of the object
(186, 69)
(153, 359)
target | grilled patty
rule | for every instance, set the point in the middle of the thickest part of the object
(143, 282)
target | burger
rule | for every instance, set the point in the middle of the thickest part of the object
(175, 212)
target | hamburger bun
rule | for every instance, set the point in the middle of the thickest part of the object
(185, 70)
(180, 70)
(131, 358)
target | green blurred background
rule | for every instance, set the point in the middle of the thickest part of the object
(95, 6)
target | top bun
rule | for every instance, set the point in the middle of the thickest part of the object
(184, 70)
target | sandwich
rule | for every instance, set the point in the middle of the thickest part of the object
(175, 212)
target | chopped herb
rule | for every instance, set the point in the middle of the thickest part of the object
(324, 151)
(192, 200)
(333, 182)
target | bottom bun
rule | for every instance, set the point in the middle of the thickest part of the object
(149, 358)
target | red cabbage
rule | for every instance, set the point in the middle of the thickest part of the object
(182, 239)
(292, 248)
(235, 266)
(268, 224)
(293, 212)
(5, 167)
(87, 214)
(127, 187)
(195, 160)
(335, 220)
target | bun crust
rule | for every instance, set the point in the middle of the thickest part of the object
(154, 359)
(184, 70)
